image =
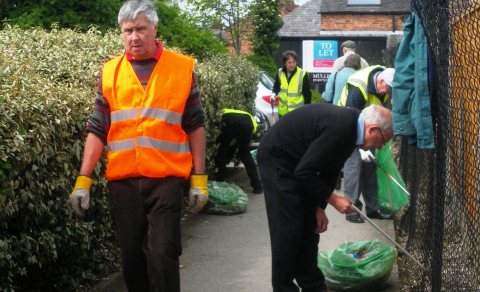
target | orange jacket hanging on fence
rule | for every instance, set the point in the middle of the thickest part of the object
(146, 136)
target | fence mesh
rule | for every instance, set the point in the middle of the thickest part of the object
(441, 226)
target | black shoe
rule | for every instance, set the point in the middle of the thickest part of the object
(354, 218)
(379, 215)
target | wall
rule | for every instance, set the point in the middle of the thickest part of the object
(356, 22)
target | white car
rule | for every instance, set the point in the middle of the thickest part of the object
(266, 114)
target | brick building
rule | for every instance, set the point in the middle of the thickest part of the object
(316, 29)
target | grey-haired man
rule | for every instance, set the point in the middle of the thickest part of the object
(148, 114)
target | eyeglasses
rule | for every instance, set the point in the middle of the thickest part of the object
(383, 139)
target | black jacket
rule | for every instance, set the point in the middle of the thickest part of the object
(311, 144)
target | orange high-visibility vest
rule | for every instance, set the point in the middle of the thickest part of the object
(146, 136)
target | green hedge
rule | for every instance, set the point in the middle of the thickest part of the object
(226, 81)
(47, 89)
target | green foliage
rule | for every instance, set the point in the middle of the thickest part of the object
(175, 28)
(225, 81)
(266, 22)
(184, 34)
(265, 63)
(316, 96)
(230, 15)
(64, 13)
(47, 95)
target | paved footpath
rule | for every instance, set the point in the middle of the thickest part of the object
(232, 253)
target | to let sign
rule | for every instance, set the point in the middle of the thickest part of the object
(324, 53)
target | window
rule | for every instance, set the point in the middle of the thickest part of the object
(266, 80)
(364, 2)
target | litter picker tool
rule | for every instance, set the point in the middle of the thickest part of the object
(372, 159)
(404, 251)
(272, 101)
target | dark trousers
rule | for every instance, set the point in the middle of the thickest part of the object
(146, 214)
(236, 133)
(292, 222)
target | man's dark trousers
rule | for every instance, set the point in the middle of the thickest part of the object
(146, 213)
(292, 222)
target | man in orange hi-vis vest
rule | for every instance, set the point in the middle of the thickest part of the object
(149, 116)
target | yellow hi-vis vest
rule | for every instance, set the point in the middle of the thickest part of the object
(360, 80)
(290, 94)
(146, 137)
(254, 123)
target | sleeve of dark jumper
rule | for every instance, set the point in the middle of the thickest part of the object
(99, 121)
(276, 84)
(193, 115)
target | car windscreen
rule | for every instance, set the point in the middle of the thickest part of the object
(266, 80)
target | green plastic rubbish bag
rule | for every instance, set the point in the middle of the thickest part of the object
(357, 266)
(225, 199)
(390, 196)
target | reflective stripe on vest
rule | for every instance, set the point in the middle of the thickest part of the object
(129, 144)
(254, 123)
(146, 136)
(360, 80)
(290, 94)
(168, 116)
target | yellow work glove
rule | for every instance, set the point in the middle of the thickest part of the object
(198, 194)
(79, 199)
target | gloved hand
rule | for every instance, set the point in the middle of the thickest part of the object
(79, 199)
(366, 155)
(198, 194)
(273, 98)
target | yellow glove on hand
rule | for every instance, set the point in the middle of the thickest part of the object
(198, 194)
(79, 199)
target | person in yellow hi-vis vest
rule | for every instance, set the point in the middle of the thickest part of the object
(149, 116)
(236, 133)
(372, 85)
(291, 86)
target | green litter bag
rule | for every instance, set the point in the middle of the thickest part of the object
(225, 199)
(364, 265)
(390, 196)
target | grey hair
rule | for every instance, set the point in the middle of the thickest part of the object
(353, 61)
(378, 115)
(131, 9)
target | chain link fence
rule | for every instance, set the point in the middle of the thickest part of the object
(441, 226)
